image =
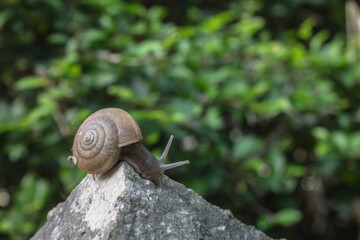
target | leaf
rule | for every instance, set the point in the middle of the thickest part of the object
(295, 170)
(57, 38)
(185, 110)
(305, 30)
(320, 133)
(90, 37)
(245, 146)
(277, 162)
(340, 141)
(328, 165)
(318, 40)
(31, 82)
(218, 21)
(16, 151)
(200, 185)
(213, 119)
(272, 107)
(254, 164)
(264, 223)
(287, 217)
(4, 16)
(120, 92)
(354, 145)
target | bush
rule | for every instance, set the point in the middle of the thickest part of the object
(271, 126)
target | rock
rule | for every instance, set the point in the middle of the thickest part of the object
(121, 205)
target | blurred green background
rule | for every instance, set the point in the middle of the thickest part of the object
(262, 97)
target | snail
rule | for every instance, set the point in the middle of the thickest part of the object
(111, 135)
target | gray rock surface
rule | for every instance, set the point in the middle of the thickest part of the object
(121, 205)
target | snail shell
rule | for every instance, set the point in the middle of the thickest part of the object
(98, 141)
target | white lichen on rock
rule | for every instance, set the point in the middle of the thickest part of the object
(96, 200)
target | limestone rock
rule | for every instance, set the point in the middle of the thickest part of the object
(121, 205)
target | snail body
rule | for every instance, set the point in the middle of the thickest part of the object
(111, 135)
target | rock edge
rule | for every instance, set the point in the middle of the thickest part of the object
(121, 205)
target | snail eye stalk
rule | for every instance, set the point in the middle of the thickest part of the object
(164, 155)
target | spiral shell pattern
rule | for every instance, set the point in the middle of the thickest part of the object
(96, 145)
(91, 140)
(99, 139)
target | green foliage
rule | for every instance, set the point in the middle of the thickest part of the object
(270, 125)
(285, 217)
